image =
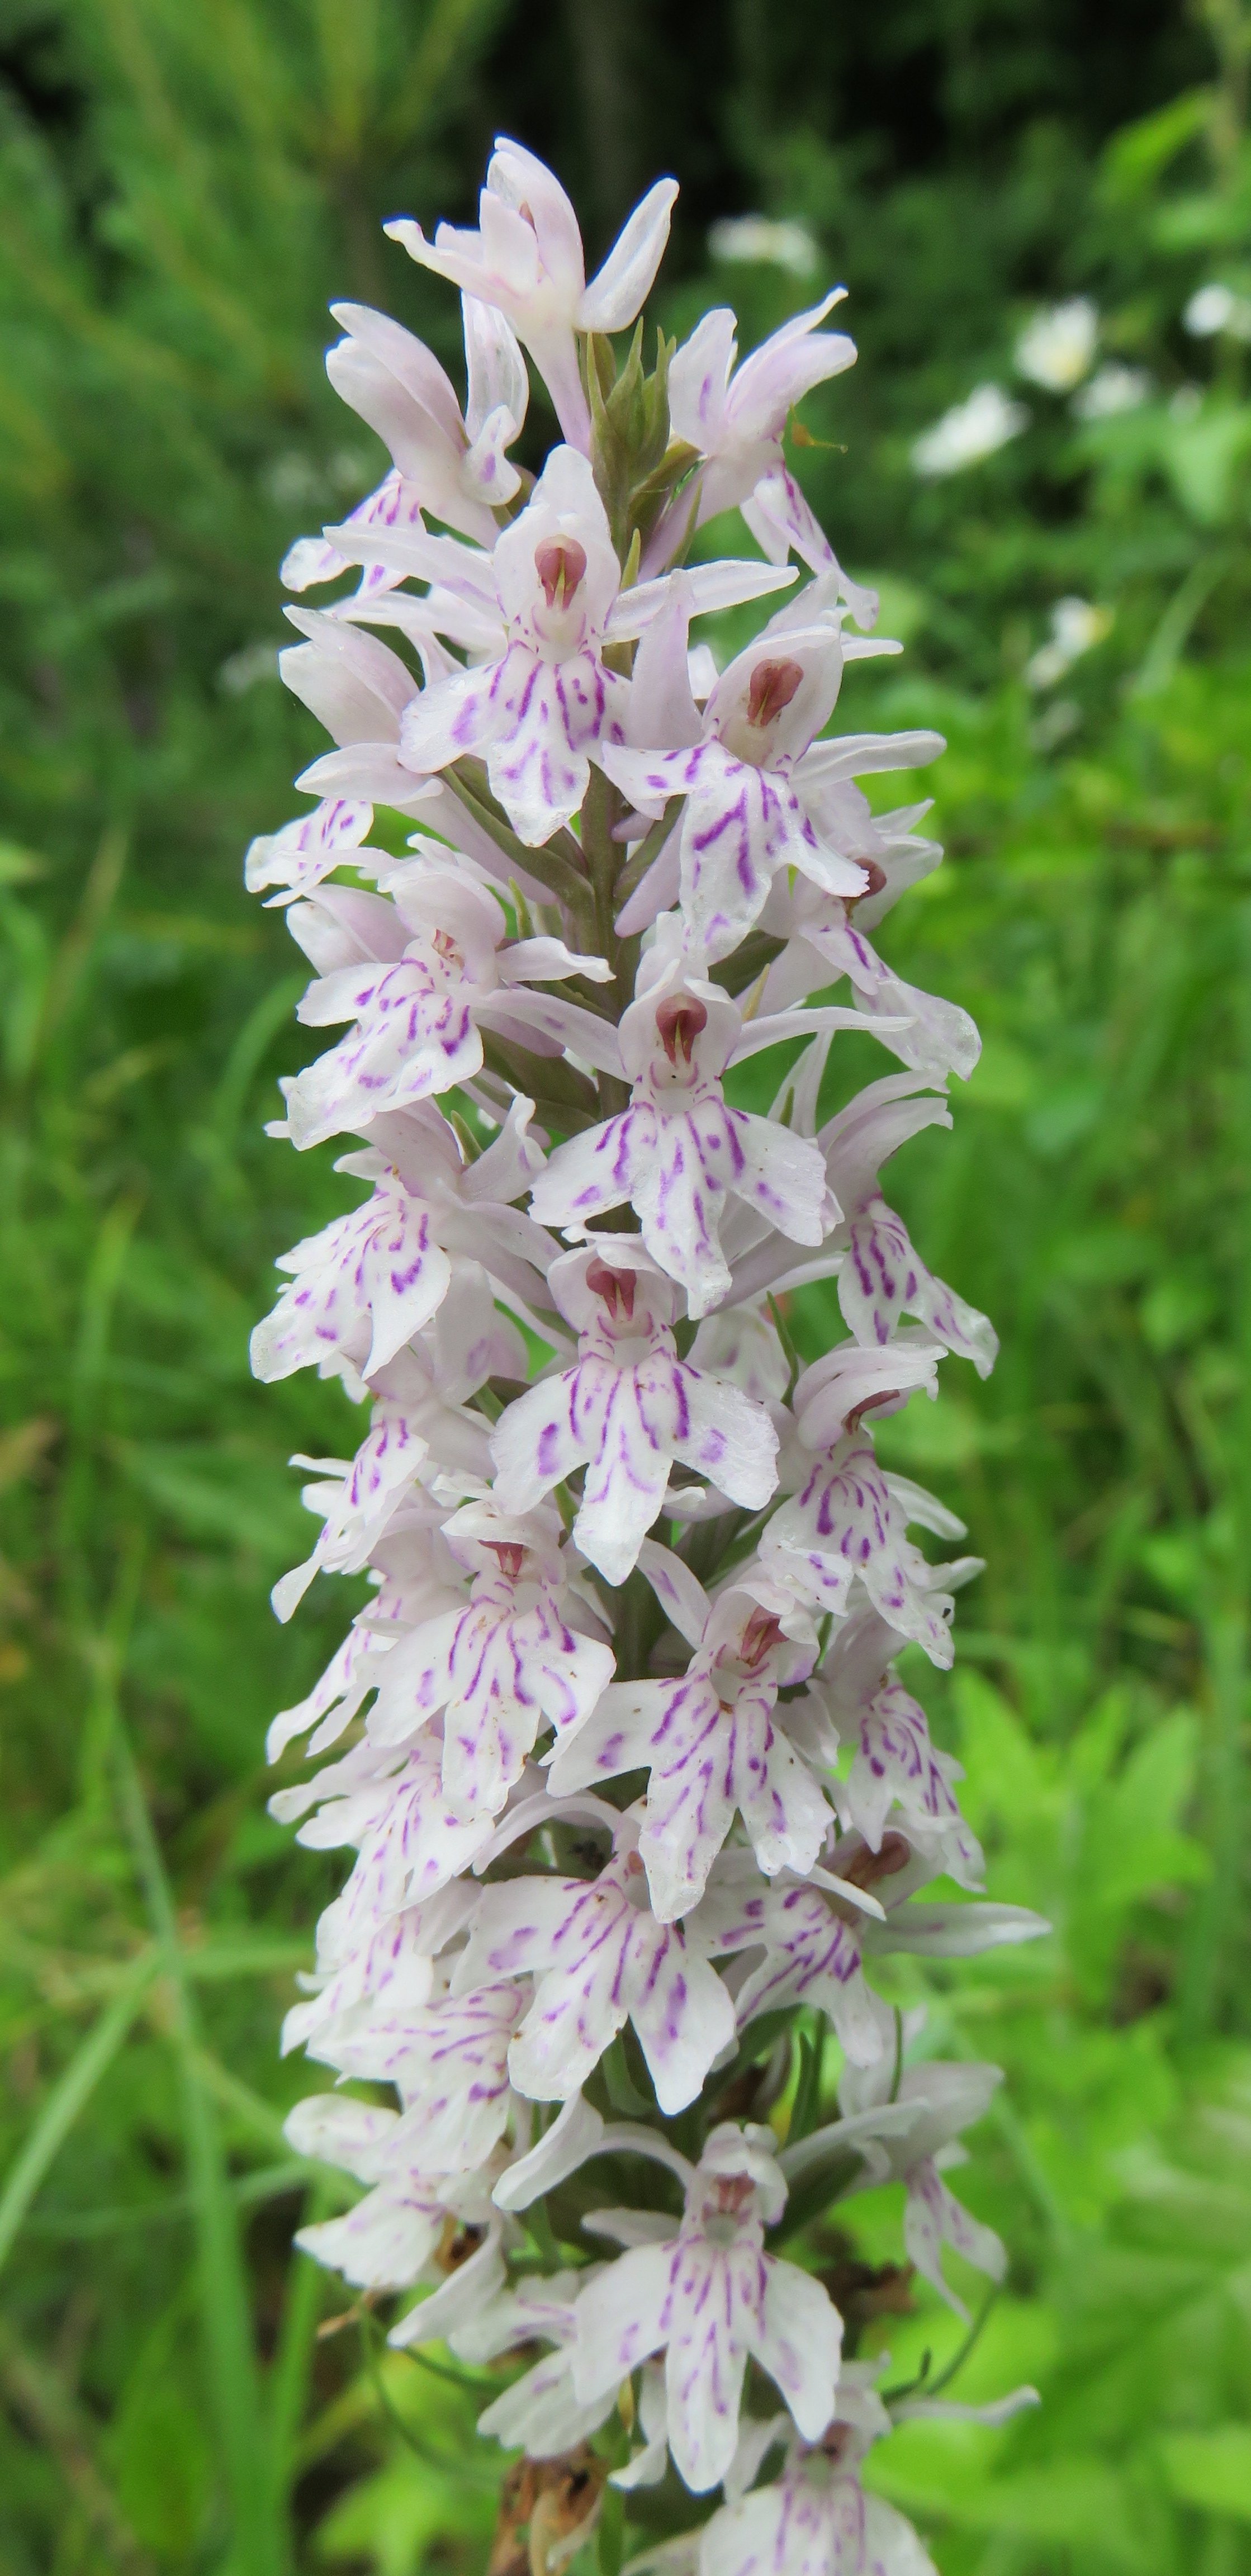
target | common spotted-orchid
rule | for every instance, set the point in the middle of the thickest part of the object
(644, 1818)
(734, 417)
(627, 1411)
(704, 2291)
(526, 260)
(712, 1741)
(680, 1152)
(741, 784)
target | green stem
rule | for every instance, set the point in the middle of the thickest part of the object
(552, 866)
(647, 851)
(291, 2377)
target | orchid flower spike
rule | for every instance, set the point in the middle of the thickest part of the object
(639, 1812)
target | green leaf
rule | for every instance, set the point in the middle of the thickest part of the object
(1211, 2470)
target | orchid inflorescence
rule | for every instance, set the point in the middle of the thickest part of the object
(635, 1793)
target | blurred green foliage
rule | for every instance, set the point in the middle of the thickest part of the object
(182, 190)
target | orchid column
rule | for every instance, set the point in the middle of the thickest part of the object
(635, 1795)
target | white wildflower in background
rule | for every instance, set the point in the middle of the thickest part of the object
(1056, 348)
(632, 1791)
(764, 241)
(1112, 389)
(249, 668)
(968, 432)
(1076, 626)
(1215, 308)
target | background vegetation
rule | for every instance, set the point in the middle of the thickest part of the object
(182, 189)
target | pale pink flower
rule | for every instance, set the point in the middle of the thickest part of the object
(713, 1742)
(807, 1939)
(896, 1772)
(536, 614)
(356, 1498)
(356, 1967)
(848, 1521)
(448, 2060)
(433, 966)
(395, 504)
(882, 1277)
(370, 1280)
(887, 845)
(943, 2099)
(452, 465)
(743, 817)
(390, 1806)
(296, 858)
(358, 689)
(626, 1411)
(710, 2297)
(825, 940)
(416, 1574)
(680, 1153)
(500, 1666)
(526, 260)
(539, 2413)
(815, 2519)
(735, 418)
(421, 1430)
(600, 1958)
(535, 714)
(386, 2242)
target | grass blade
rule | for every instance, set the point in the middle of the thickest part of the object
(229, 2350)
(69, 2095)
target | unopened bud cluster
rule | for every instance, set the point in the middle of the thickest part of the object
(635, 1795)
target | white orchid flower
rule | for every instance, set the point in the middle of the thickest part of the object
(307, 849)
(430, 970)
(882, 1277)
(743, 817)
(943, 2100)
(735, 417)
(848, 1521)
(536, 615)
(539, 2413)
(709, 2296)
(808, 1931)
(600, 1957)
(526, 260)
(896, 1773)
(626, 1411)
(453, 465)
(387, 2241)
(369, 1281)
(680, 1154)
(713, 1741)
(500, 1666)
